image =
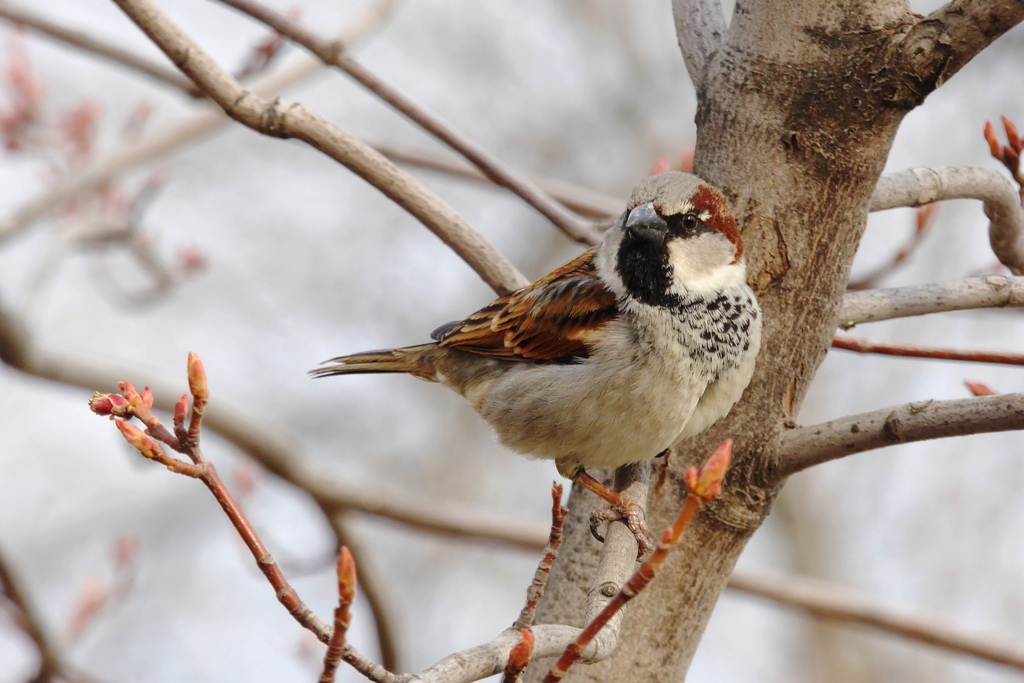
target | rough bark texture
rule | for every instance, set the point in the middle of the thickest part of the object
(797, 110)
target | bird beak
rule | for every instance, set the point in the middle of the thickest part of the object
(645, 225)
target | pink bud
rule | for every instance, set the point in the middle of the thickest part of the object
(128, 391)
(197, 377)
(707, 483)
(147, 397)
(139, 441)
(1012, 135)
(180, 408)
(346, 575)
(994, 148)
(980, 388)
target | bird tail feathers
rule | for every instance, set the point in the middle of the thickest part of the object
(412, 360)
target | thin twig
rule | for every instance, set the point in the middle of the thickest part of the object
(826, 601)
(129, 403)
(83, 41)
(291, 120)
(861, 345)
(50, 665)
(805, 447)
(342, 617)
(373, 589)
(200, 126)
(993, 291)
(540, 578)
(334, 54)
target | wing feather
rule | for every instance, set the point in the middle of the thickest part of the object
(556, 318)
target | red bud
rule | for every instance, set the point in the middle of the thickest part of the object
(102, 404)
(521, 653)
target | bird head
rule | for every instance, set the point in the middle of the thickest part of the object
(676, 237)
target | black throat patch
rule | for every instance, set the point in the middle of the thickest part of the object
(645, 271)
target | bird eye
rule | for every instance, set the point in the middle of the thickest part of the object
(690, 222)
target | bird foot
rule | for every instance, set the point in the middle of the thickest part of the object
(632, 516)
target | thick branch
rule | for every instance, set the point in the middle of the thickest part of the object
(918, 186)
(947, 39)
(807, 446)
(332, 53)
(291, 120)
(83, 41)
(699, 28)
(825, 601)
(993, 291)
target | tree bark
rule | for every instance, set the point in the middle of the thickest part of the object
(798, 105)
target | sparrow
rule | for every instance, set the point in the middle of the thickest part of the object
(643, 340)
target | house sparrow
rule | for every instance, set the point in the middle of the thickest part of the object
(646, 339)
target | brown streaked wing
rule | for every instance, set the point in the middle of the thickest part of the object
(555, 318)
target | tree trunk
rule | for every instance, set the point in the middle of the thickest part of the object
(798, 108)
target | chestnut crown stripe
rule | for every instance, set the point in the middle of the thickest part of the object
(712, 202)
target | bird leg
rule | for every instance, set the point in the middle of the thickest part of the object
(621, 509)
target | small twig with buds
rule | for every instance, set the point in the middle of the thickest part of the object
(1008, 155)
(342, 617)
(540, 577)
(130, 403)
(861, 345)
(702, 487)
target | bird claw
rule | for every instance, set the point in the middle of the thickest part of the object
(632, 516)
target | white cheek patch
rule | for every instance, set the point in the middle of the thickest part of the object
(703, 263)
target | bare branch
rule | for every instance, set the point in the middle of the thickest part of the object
(333, 53)
(83, 41)
(993, 291)
(196, 128)
(700, 25)
(861, 345)
(918, 186)
(805, 447)
(947, 39)
(825, 601)
(292, 120)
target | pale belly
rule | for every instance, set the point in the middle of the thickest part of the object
(605, 415)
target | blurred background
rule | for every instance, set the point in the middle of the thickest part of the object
(268, 258)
